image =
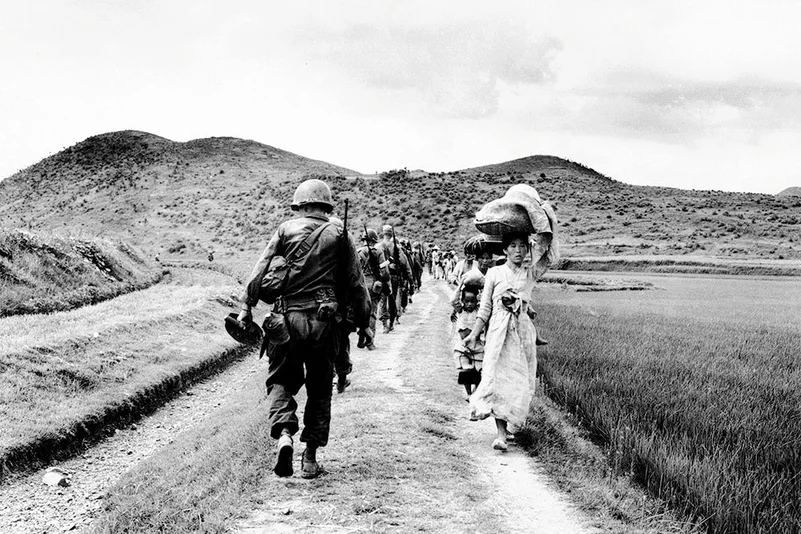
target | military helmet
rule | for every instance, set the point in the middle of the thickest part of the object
(312, 192)
(371, 237)
(248, 332)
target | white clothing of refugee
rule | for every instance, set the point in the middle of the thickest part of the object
(510, 350)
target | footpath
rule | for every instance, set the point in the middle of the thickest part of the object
(404, 457)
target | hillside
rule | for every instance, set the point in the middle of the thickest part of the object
(166, 196)
(42, 274)
(790, 191)
(228, 195)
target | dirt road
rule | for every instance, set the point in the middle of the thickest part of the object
(403, 455)
(423, 425)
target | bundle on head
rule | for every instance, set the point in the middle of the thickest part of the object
(521, 210)
(473, 281)
(481, 244)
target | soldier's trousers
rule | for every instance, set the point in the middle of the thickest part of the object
(342, 364)
(403, 295)
(307, 358)
(375, 302)
(389, 303)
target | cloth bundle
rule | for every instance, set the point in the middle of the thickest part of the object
(521, 210)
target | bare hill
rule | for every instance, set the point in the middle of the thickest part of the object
(228, 195)
(167, 196)
(790, 191)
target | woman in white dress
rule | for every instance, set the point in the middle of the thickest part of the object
(510, 351)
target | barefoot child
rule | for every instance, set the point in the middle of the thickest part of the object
(468, 360)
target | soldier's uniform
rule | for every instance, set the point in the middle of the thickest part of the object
(312, 314)
(375, 268)
(399, 272)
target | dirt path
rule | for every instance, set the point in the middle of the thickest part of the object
(403, 456)
(412, 373)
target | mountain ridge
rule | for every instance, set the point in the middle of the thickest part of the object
(229, 194)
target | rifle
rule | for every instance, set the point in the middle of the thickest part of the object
(342, 283)
(395, 252)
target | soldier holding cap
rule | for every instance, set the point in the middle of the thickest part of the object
(322, 266)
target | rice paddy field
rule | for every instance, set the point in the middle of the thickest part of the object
(694, 387)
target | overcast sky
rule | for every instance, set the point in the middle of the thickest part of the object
(691, 94)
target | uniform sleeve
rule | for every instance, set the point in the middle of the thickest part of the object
(485, 309)
(253, 286)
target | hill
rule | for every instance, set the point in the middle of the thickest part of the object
(790, 191)
(169, 197)
(228, 195)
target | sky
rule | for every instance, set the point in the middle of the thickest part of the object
(701, 94)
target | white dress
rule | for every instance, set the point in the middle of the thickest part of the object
(509, 373)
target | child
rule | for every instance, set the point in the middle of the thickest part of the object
(468, 360)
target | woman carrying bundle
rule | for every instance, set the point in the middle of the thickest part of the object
(510, 347)
(509, 373)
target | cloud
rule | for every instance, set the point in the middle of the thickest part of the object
(637, 103)
(455, 68)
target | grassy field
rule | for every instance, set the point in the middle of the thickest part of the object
(695, 387)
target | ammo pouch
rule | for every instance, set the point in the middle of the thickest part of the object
(327, 305)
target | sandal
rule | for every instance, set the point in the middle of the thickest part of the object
(309, 468)
(500, 445)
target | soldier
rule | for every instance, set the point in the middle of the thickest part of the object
(376, 276)
(407, 286)
(420, 264)
(398, 271)
(323, 272)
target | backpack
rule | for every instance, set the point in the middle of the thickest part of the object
(275, 279)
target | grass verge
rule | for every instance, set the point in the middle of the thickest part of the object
(579, 467)
(68, 376)
(41, 274)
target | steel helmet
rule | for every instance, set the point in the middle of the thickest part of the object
(312, 192)
(248, 332)
(371, 237)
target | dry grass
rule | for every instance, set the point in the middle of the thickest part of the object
(694, 389)
(42, 273)
(65, 372)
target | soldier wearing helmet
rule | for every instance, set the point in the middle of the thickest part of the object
(376, 276)
(399, 272)
(311, 299)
